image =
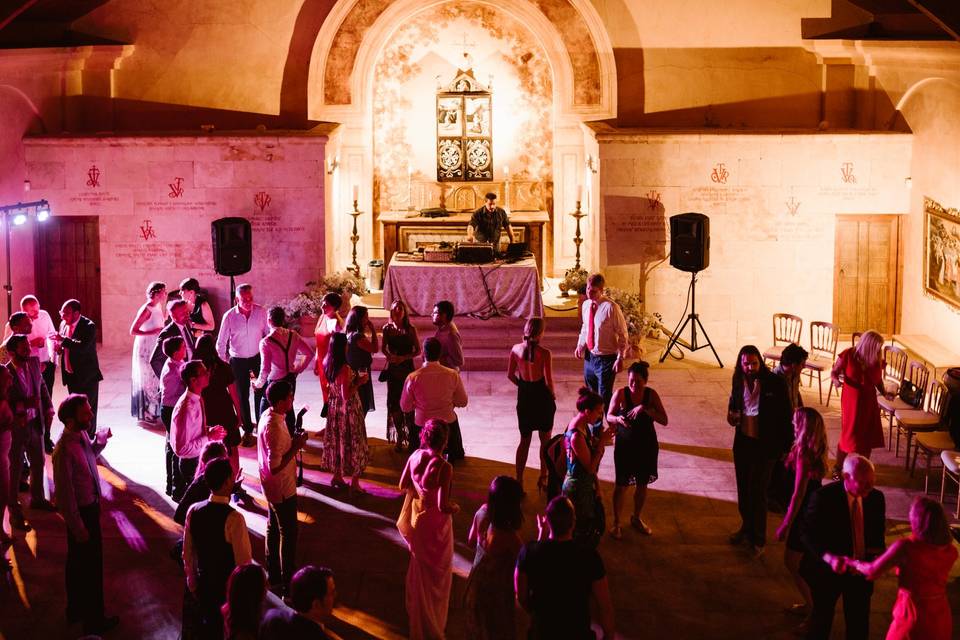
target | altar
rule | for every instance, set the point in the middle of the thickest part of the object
(483, 290)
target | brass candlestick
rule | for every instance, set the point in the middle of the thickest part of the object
(577, 239)
(354, 237)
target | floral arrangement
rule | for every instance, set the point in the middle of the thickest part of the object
(573, 280)
(309, 303)
(640, 324)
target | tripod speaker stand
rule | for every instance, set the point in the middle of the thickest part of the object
(694, 321)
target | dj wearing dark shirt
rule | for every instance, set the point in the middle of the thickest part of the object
(488, 222)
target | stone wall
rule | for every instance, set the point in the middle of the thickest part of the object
(156, 197)
(772, 202)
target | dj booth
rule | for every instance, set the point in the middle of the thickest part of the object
(483, 290)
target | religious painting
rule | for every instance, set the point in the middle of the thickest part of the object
(464, 131)
(941, 263)
(477, 116)
(449, 117)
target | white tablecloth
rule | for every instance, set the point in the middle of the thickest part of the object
(514, 288)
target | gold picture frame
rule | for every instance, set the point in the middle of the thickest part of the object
(941, 252)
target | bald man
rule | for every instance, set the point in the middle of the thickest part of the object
(844, 520)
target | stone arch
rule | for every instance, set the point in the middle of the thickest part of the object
(571, 32)
(340, 90)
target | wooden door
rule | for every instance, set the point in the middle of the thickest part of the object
(68, 265)
(867, 273)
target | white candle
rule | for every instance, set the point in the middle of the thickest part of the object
(356, 192)
(579, 192)
(409, 171)
(506, 171)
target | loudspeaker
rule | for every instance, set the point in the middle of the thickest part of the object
(232, 246)
(690, 242)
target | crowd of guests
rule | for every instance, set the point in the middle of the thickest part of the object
(198, 383)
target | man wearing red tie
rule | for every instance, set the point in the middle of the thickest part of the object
(603, 340)
(76, 342)
(844, 521)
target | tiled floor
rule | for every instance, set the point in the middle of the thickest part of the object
(683, 582)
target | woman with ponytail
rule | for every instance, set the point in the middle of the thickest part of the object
(531, 369)
(584, 453)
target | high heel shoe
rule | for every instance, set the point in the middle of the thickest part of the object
(338, 483)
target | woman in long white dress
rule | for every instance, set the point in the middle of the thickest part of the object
(426, 524)
(145, 391)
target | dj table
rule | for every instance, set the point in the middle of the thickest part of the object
(482, 290)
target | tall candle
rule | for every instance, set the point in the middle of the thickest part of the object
(579, 192)
(506, 171)
(356, 192)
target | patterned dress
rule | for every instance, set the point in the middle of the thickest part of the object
(145, 387)
(580, 485)
(345, 438)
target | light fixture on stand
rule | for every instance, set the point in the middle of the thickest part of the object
(17, 215)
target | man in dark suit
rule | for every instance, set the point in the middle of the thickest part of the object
(33, 411)
(844, 520)
(759, 409)
(177, 326)
(76, 342)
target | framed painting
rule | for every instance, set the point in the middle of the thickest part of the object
(941, 252)
(449, 117)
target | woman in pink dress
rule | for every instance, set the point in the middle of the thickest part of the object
(859, 371)
(328, 324)
(426, 524)
(923, 562)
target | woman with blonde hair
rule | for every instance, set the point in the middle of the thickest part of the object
(859, 371)
(151, 316)
(531, 369)
(808, 461)
(923, 562)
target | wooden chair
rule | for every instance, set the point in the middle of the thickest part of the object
(823, 353)
(786, 329)
(895, 368)
(951, 469)
(930, 445)
(910, 421)
(855, 338)
(918, 375)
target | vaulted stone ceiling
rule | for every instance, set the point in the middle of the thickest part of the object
(886, 20)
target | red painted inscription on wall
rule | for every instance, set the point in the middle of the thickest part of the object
(147, 232)
(846, 173)
(653, 199)
(176, 188)
(719, 174)
(262, 199)
(93, 176)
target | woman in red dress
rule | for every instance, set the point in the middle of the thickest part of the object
(923, 562)
(859, 370)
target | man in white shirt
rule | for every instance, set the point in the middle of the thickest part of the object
(242, 328)
(188, 429)
(602, 344)
(41, 328)
(215, 541)
(434, 391)
(276, 453)
(284, 354)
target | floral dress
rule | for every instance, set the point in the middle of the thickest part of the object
(345, 438)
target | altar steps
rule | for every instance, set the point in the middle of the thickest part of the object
(486, 343)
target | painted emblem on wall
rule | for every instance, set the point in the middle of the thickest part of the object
(653, 200)
(941, 252)
(464, 131)
(147, 232)
(93, 176)
(719, 174)
(793, 205)
(262, 200)
(846, 173)
(176, 188)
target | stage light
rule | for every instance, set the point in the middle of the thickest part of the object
(43, 213)
(19, 219)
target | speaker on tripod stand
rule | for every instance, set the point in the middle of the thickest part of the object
(232, 248)
(690, 251)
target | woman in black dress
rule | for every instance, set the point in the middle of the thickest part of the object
(201, 315)
(807, 464)
(362, 343)
(400, 346)
(633, 410)
(531, 369)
